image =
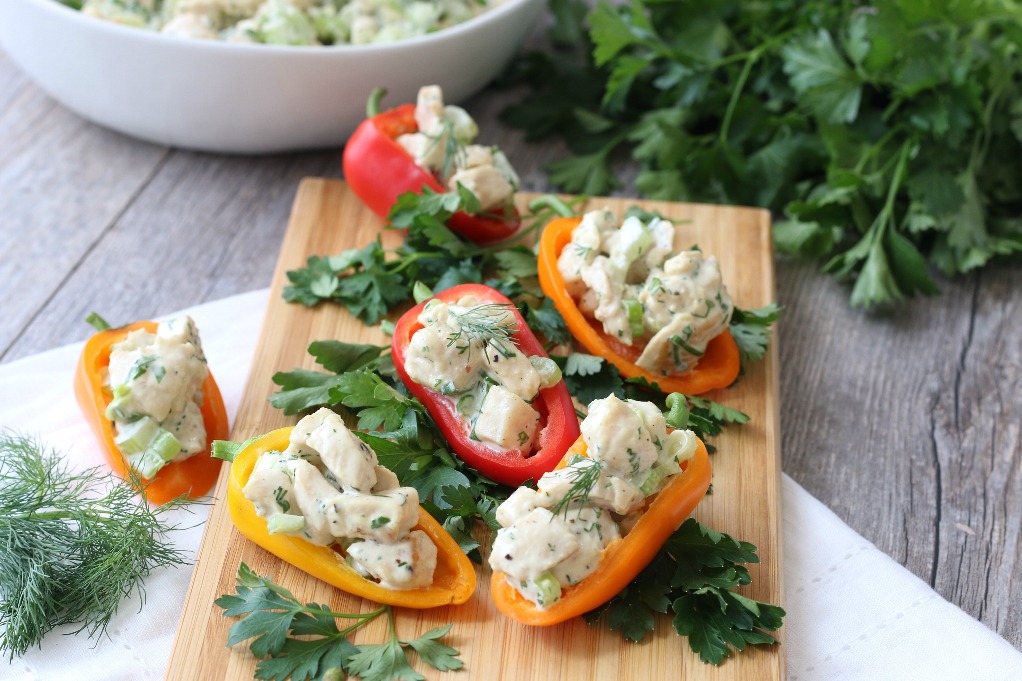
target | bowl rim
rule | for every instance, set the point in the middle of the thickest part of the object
(142, 35)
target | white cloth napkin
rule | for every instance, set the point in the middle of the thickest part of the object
(853, 613)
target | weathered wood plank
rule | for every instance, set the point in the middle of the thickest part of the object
(63, 182)
(906, 423)
(202, 228)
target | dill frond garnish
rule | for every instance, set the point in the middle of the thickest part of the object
(491, 325)
(75, 544)
(582, 480)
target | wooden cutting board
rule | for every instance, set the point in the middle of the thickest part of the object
(327, 217)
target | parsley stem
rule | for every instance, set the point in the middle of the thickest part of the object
(552, 202)
(364, 619)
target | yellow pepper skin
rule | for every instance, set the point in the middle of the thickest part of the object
(454, 580)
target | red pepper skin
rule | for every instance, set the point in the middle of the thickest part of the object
(558, 422)
(378, 170)
(195, 475)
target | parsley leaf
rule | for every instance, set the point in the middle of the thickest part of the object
(751, 331)
(887, 138)
(694, 575)
(271, 617)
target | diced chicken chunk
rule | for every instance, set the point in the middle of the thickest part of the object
(408, 564)
(506, 420)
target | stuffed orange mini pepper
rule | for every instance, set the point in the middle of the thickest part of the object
(152, 403)
(630, 295)
(315, 496)
(595, 522)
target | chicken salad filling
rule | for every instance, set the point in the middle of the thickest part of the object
(646, 290)
(328, 488)
(553, 537)
(443, 146)
(466, 352)
(155, 380)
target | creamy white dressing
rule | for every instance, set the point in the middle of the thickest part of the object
(465, 352)
(290, 22)
(443, 146)
(645, 289)
(158, 378)
(329, 488)
(554, 537)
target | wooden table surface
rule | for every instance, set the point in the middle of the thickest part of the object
(906, 422)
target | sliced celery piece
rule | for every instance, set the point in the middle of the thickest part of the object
(136, 436)
(146, 463)
(652, 482)
(548, 589)
(165, 445)
(633, 308)
(285, 523)
(115, 411)
(549, 372)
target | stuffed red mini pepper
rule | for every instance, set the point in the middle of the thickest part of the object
(468, 355)
(428, 145)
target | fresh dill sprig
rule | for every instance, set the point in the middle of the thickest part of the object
(490, 325)
(583, 478)
(75, 544)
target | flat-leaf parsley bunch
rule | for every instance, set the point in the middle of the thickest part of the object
(887, 132)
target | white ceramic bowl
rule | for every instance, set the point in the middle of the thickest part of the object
(245, 98)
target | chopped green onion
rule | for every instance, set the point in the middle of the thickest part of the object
(285, 523)
(548, 589)
(633, 308)
(549, 372)
(466, 405)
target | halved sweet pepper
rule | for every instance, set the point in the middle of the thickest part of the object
(558, 423)
(454, 580)
(624, 558)
(195, 475)
(378, 170)
(717, 368)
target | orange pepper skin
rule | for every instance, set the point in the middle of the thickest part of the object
(454, 580)
(196, 475)
(624, 558)
(717, 368)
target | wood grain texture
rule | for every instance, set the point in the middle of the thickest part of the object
(327, 217)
